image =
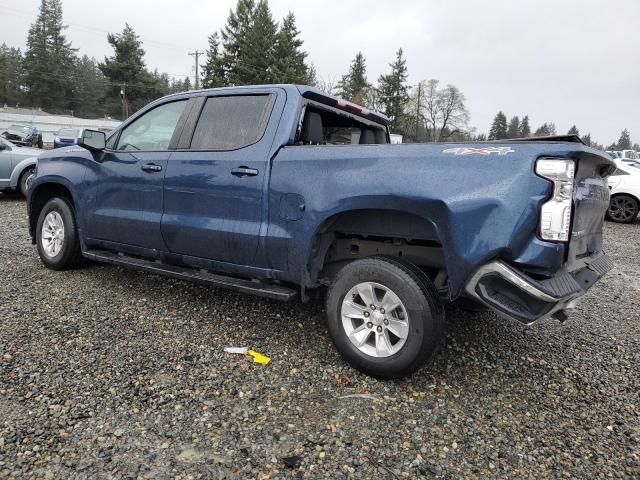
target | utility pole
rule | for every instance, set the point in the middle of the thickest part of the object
(418, 109)
(196, 54)
(125, 107)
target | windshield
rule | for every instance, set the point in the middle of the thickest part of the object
(67, 132)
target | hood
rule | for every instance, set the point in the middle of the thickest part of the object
(25, 152)
(18, 133)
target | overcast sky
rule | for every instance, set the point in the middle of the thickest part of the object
(562, 61)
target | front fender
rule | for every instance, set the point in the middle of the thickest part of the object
(19, 169)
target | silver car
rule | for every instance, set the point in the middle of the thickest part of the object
(17, 166)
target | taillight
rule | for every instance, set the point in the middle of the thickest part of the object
(555, 214)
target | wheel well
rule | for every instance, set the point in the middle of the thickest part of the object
(364, 233)
(40, 197)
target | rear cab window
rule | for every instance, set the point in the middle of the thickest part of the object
(323, 125)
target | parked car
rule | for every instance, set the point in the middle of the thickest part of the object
(628, 155)
(247, 188)
(17, 166)
(614, 154)
(23, 135)
(625, 192)
(66, 137)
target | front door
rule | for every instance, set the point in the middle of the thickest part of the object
(128, 206)
(213, 190)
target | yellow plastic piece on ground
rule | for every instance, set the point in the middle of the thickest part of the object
(258, 357)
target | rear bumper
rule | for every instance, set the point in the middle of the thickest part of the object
(514, 295)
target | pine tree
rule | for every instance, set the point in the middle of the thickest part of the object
(394, 93)
(573, 131)
(234, 38)
(125, 69)
(525, 129)
(499, 127)
(89, 86)
(213, 74)
(624, 142)
(513, 130)
(586, 139)
(11, 76)
(48, 60)
(289, 58)
(256, 53)
(546, 130)
(354, 84)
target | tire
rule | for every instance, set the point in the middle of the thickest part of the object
(623, 209)
(69, 255)
(25, 178)
(419, 316)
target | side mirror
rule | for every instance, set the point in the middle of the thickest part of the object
(93, 140)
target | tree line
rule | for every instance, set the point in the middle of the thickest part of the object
(251, 48)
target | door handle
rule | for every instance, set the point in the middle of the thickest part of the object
(244, 172)
(151, 167)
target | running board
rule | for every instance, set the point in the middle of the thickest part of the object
(275, 292)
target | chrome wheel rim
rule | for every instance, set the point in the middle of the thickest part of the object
(622, 209)
(374, 319)
(52, 234)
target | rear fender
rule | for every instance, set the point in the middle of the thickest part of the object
(19, 169)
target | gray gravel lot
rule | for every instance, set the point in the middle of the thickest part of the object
(111, 373)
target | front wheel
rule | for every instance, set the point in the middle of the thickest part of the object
(57, 236)
(25, 180)
(623, 209)
(384, 316)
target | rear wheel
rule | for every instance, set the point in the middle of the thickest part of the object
(25, 180)
(57, 236)
(623, 209)
(384, 317)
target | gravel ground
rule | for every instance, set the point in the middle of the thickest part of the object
(111, 373)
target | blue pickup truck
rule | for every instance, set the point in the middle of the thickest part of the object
(283, 190)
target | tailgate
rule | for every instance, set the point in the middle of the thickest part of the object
(590, 201)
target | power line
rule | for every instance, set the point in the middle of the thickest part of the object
(88, 28)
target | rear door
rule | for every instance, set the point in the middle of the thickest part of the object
(213, 189)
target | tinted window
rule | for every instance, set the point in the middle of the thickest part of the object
(619, 172)
(153, 130)
(228, 123)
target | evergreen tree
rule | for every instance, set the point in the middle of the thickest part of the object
(636, 147)
(48, 60)
(289, 58)
(89, 86)
(513, 130)
(213, 74)
(498, 127)
(573, 131)
(480, 138)
(624, 142)
(525, 129)
(256, 53)
(234, 36)
(11, 76)
(586, 139)
(394, 93)
(546, 130)
(354, 84)
(125, 70)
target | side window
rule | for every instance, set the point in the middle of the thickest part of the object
(111, 142)
(153, 130)
(619, 172)
(232, 122)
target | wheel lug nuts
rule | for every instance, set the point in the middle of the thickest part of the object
(373, 307)
(386, 322)
(379, 329)
(382, 311)
(369, 325)
(366, 314)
